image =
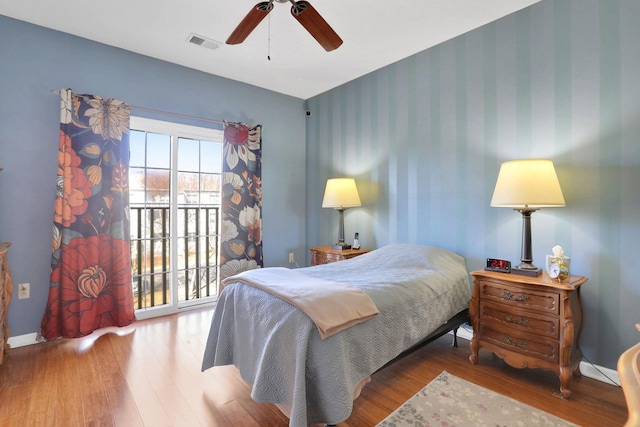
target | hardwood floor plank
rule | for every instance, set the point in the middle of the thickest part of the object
(42, 401)
(14, 404)
(143, 392)
(150, 375)
(176, 407)
(71, 410)
(121, 403)
(90, 385)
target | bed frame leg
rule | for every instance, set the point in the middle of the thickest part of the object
(455, 338)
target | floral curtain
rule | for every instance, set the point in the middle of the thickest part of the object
(241, 199)
(90, 284)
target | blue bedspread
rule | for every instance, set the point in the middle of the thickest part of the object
(278, 349)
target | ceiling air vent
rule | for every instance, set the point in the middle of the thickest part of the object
(203, 41)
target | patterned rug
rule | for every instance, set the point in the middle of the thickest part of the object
(453, 402)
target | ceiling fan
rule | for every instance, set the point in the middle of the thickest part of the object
(301, 10)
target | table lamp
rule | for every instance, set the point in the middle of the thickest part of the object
(526, 186)
(340, 194)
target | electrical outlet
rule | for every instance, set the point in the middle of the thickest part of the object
(24, 290)
(291, 258)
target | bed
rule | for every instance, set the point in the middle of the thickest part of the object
(278, 349)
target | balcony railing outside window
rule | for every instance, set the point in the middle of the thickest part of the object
(197, 243)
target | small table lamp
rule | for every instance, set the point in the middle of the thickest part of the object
(340, 194)
(526, 186)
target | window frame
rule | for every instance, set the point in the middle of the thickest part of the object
(176, 131)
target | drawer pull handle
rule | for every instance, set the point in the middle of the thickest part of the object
(519, 343)
(508, 295)
(521, 321)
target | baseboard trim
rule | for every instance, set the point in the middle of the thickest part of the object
(600, 373)
(589, 370)
(23, 340)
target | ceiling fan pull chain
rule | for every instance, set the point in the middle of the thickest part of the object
(269, 39)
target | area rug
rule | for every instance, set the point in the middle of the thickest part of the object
(453, 402)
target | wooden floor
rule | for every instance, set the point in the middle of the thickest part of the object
(149, 375)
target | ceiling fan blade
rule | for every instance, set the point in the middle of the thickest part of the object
(315, 25)
(250, 22)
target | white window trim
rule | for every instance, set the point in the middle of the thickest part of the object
(175, 130)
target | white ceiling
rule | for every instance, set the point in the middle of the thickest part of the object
(375, 34)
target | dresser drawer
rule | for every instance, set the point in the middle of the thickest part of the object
(526, 321)
(530, 345)
(541, 301)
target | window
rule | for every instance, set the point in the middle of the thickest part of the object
(175, 180)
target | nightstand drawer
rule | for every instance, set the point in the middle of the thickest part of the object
(542, 301)
(326, 254)
(528, 345)
(324, 258)
(521, 320)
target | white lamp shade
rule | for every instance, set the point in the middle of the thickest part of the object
(341, 193)
(529, 183)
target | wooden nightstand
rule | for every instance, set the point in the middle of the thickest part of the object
(326, 254)
(529, 322)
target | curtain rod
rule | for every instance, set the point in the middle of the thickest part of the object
(168, 113)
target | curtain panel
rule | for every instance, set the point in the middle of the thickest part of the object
(241, 199)
(90, 286)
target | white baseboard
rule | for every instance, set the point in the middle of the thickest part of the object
(606, 375)
(22, 340)
(600, 373)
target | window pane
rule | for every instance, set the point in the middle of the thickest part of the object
(156, 290)
(182, 224)
(186, 224)
(188, 154)
(136, 148)
(158, 151)
(208, 223)
(211, 157)
(188, 188)
(209, 189)
(136, 185)
(157, 186)
(208, 256)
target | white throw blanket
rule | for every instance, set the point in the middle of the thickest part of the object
(332, 306)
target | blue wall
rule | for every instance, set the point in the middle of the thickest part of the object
(425, 138)
(35, 60)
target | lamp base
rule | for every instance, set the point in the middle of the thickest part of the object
(341, 246)
(535, 272)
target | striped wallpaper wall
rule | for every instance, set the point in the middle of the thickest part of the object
(425, 137)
